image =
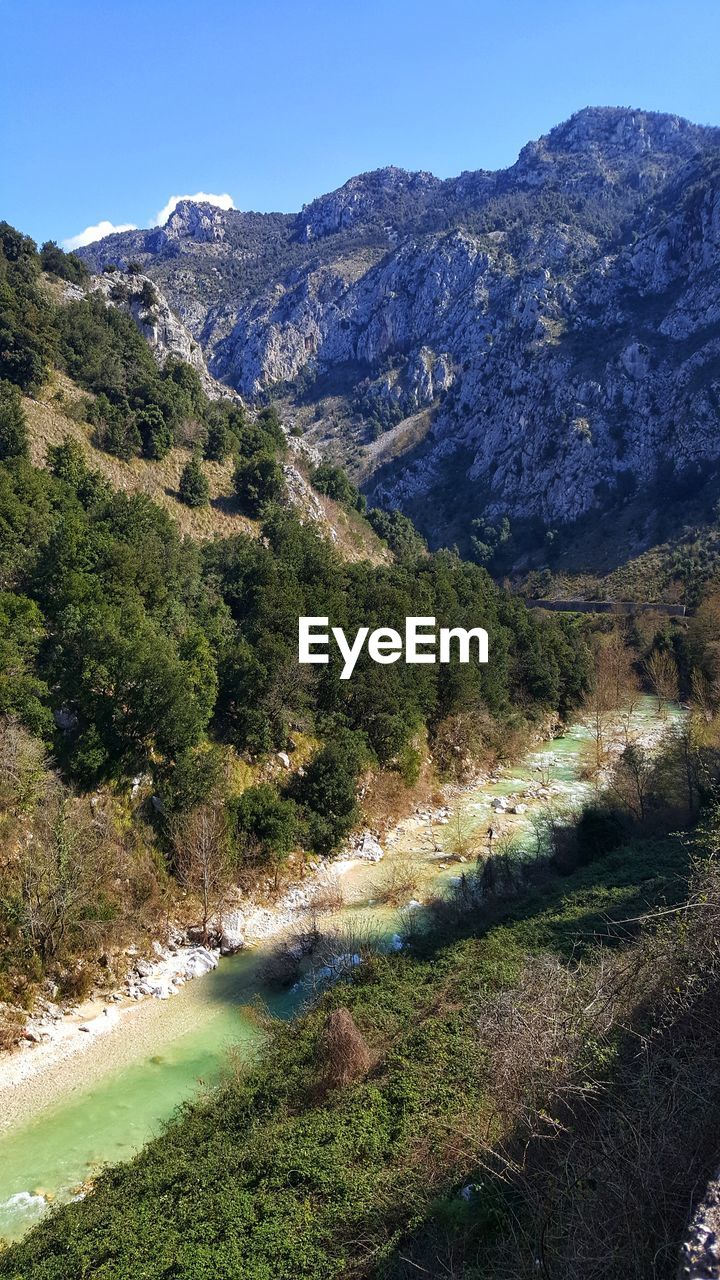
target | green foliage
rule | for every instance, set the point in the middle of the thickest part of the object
(65, 265)
(22, 692)
(27, 336)
(335, 482)
(400, 534)
(328, 792)
(194, 489)
(258, 482)
(13, 427)
(266, 825)
(220, 440)
(157, 436)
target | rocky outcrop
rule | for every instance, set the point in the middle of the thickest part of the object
(165, 334)
(559, 321)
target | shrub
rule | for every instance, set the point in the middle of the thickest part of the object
(158, 438)
(65, 265)
(343, 1055)
(194, 489)
(13, 428)
(266, 824)
(258, 482)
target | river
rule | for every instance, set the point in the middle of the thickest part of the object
(101, 1105)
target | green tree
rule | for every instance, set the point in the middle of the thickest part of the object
(22, 693)
(65, 265)
(158, 438)
(328, 792)
(266, 825)
(219, 440)
(194, 488)
(258, 482)
(13, 427)
(335, 483)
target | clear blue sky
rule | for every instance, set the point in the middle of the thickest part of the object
(109, 107)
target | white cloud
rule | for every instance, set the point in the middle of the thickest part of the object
(103, 228)
(201, 197)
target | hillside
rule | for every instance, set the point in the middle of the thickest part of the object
(540, 344)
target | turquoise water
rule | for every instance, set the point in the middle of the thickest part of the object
(119, 1091)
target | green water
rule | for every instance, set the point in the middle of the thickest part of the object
(119, 1091)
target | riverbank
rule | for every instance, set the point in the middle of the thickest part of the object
(87, 1097)
(56, 1035)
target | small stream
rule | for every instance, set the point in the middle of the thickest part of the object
(103, 1104)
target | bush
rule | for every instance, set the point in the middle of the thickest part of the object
(329, 790)
(258, 482)
(13, 427)
(343, 1055)
(65, 265)
(194, 489)
(266, 824)
(158, 438)
(219, 440)
(336, 484)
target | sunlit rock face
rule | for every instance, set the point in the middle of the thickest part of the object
(555, 326)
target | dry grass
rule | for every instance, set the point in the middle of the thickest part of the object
(12, 1024)
(397, 882)
(51, 419)
(343, 1055)
(49, 424)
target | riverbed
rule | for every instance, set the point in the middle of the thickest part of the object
(59, 1127)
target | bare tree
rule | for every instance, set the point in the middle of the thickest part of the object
(631, 780)
(614, 684)
(63, 864)
(661, 672)
(200, 840)
(705, 694)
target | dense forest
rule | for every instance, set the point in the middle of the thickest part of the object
(130, 653)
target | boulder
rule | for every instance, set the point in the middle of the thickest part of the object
(232, 937)
(370, 850)
(199, 961)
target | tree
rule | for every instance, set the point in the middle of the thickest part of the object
(329, 790)
(266, 825)
(661, 671)
(336, 484)
(614, 682)
(194, 488)
(219, 439)
(13, 427)
(200, 841)
(157, 436)
(65, 265)
(22, 629)
(258, 481)
(66, 874)
(631, 780)
(68, 461)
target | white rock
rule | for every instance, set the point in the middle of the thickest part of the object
(370, 850)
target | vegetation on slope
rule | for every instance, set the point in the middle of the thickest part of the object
(465, 1107)
(131, 653)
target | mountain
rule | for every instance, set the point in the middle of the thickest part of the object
(540, 343)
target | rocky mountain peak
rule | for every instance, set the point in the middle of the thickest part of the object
(538, 343)
(389, 193)
(626, 130)
(196, 220)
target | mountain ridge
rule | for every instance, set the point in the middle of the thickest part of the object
(572, 291)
